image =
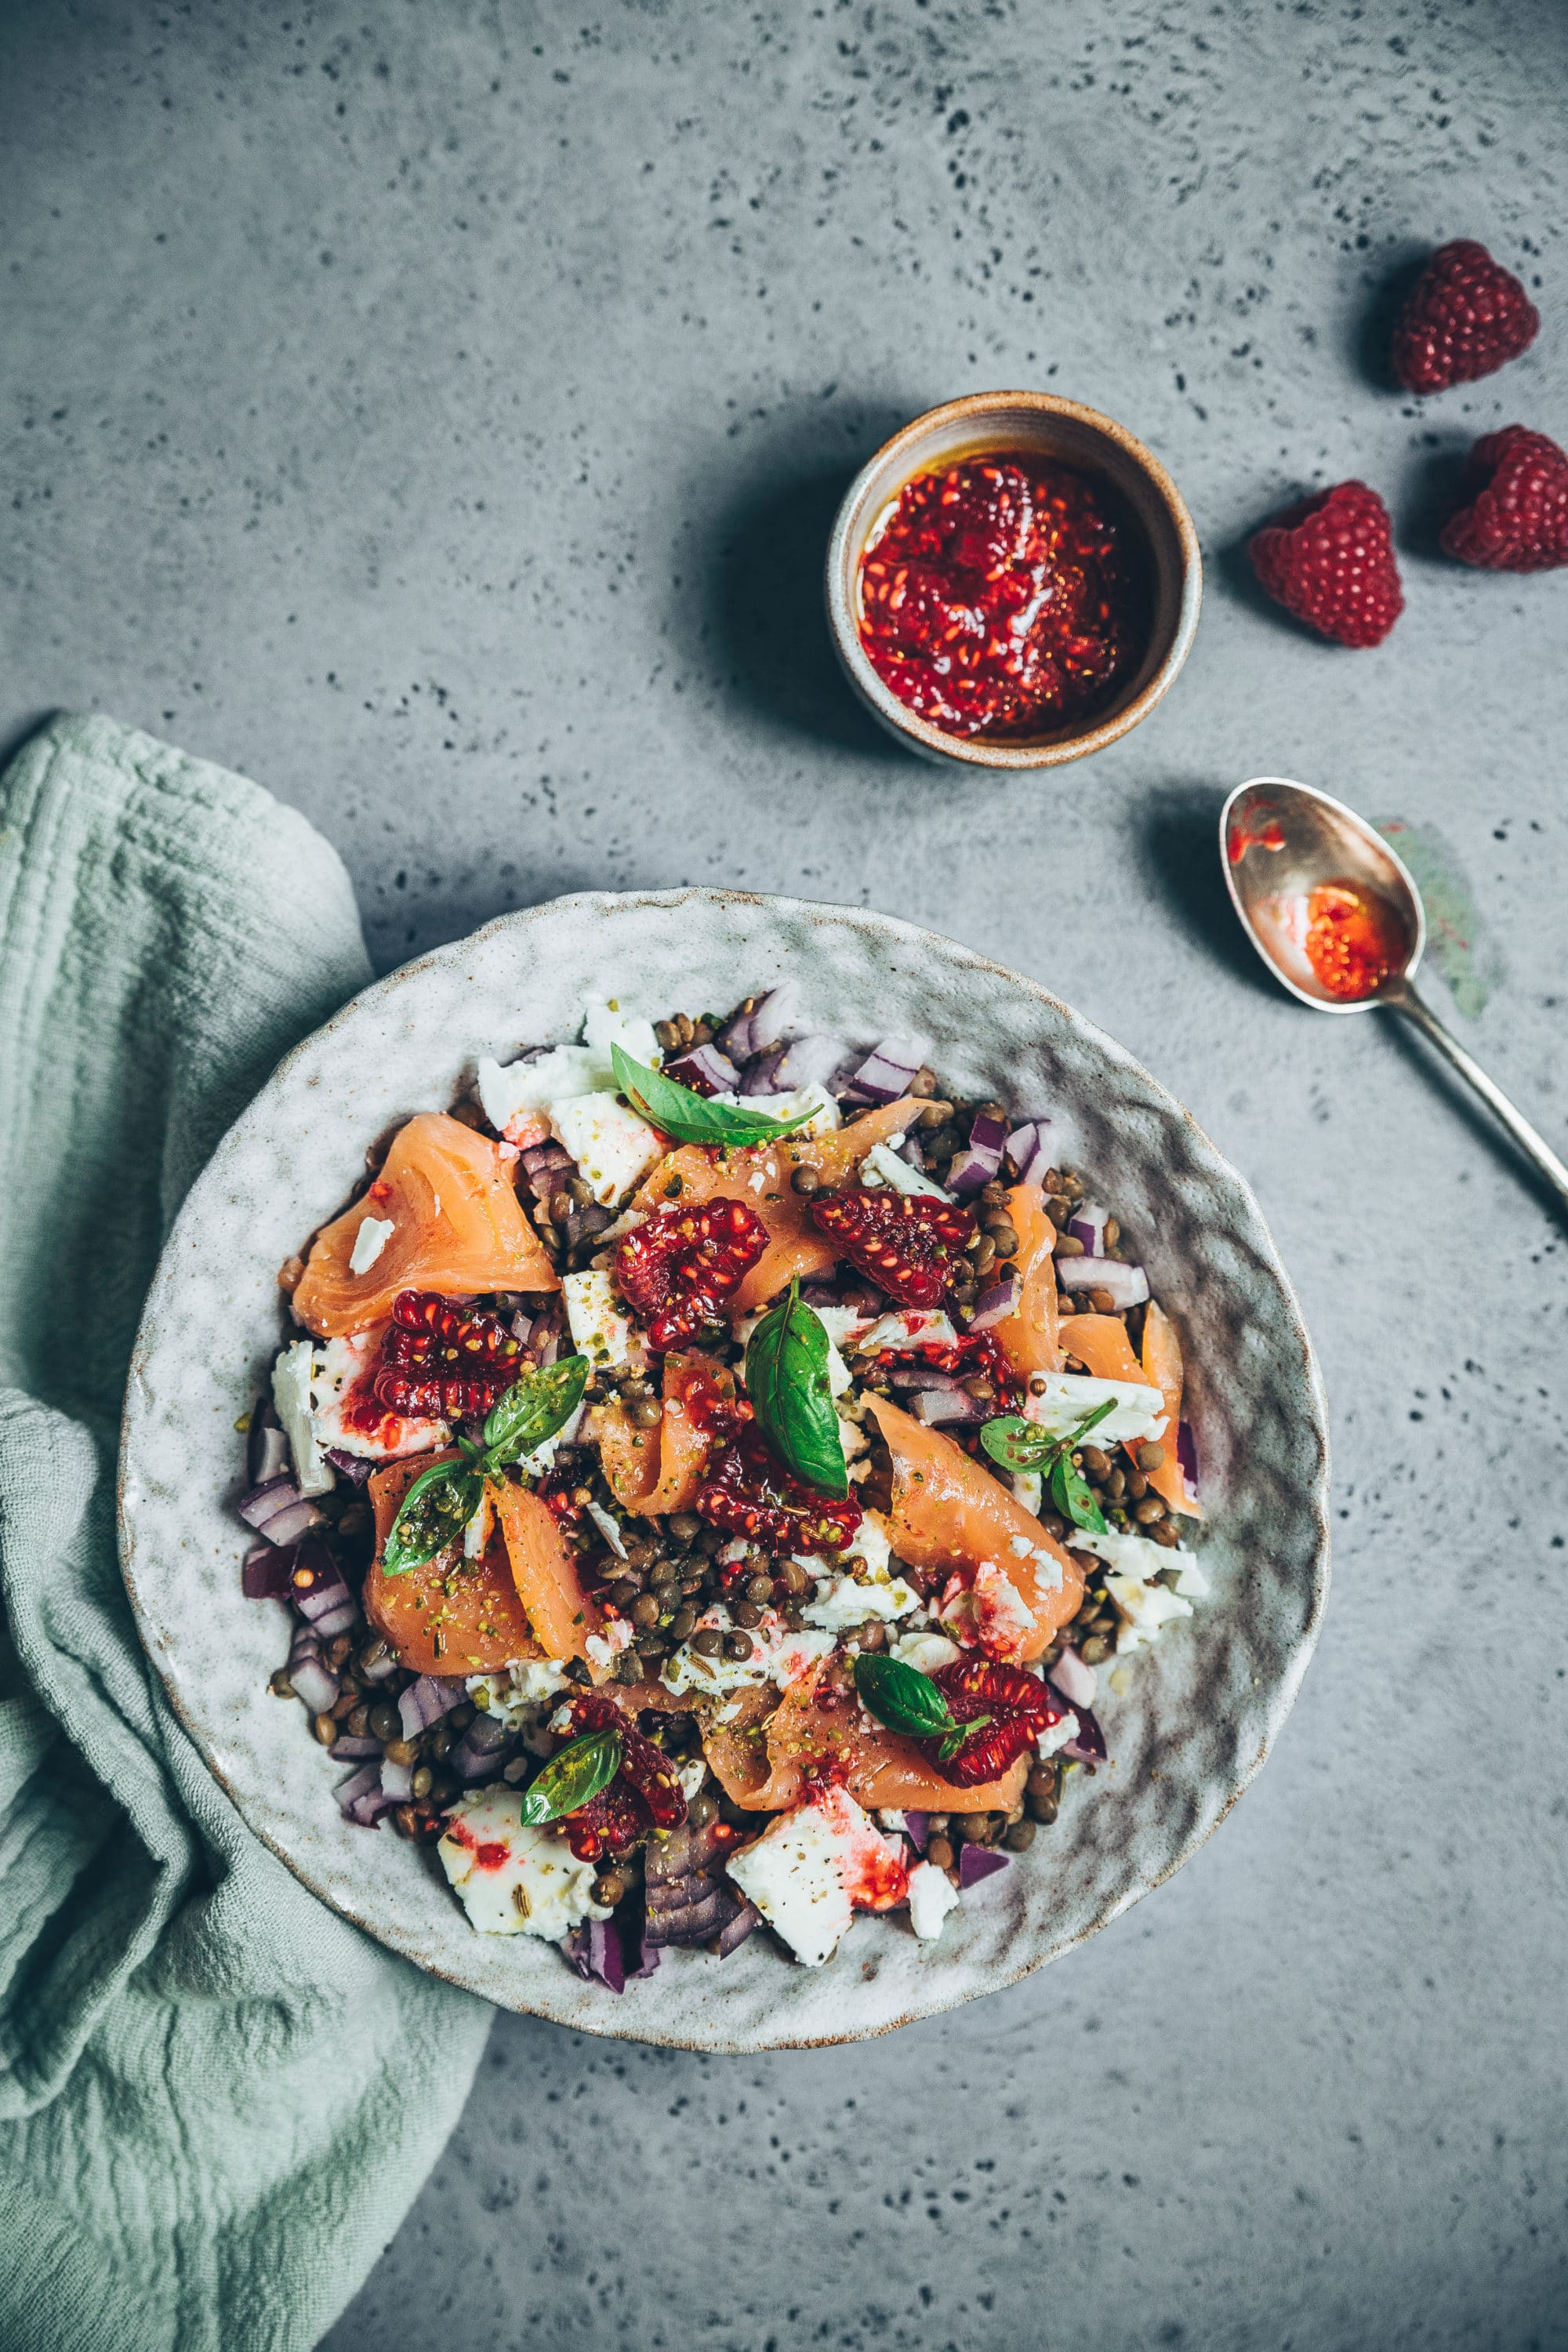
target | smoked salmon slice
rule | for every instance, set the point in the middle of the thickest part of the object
(759, 1174)
(456, 1228)
(661, 1469)
(1100, 1345)
(544, 1571)
(950, 1513)
(1028, 1335)
(1162, 1369)
(443, 1619)
(763, 1761)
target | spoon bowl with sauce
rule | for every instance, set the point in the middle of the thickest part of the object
(1338, 921)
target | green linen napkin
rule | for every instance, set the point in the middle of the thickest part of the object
(217, 2098)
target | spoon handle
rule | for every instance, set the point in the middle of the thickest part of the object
(1534, 1146)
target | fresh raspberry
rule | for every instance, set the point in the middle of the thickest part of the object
(748, 1494)
(678, 1268)
(1019, 1708)
(1515, 515)
(645, 1793)
(1466, 317)
(910, 1243)
(1330, 561)
(438, 1358)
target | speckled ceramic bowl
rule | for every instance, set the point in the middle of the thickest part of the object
(1203, 1707)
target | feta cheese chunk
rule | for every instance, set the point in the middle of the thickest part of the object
(910, 1326)
(841, 1601)
(613, 1147)
(599, 1330)
(514, 1881)
(1144, 1606)
(1064, 1397)
(777, 1657)
(514, 1099)
(372, 1238)
(813, 1868)
(927, 1652)
(1057, 1735)
(882, 1165)
(377, 1434)
(990, 1613)
(515, 1694)
(933, 1896)
(293, 1380)
(607, 1022)
(812, 1103)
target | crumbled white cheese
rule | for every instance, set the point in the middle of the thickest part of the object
(372, 1238)
(1057, 1735)
(514, 1694)
(691, 1776)
(608, 1022)
(293, 1380)
(1026, 1485)
(1142, 1560)
(599, 1330)
(1064, 1397)
(933, 1896)
(514, 1881)
(1143, 1608)
(614, 1148)
(872, 1543)
(517, 1097)
(475, 1533)
(813, 1104)
(911, 1326)
(777, 1657)
(604, 1648)
(990, 1611)
(791, 1873)
(882, 1165)
(339, 1365)
(841, 1601)
(609, 1526)
(927, 1652)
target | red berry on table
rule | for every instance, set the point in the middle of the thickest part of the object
(1466, 317)
(1514, 517)
(1330, 561)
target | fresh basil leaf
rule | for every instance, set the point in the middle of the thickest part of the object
(573, 1776)
(1019, 1446)
(959, 1734)
(787, 1380)
(533, 1408)
(691, 1118)
(902, 1697)
(433, 1514)
(1070, 1493)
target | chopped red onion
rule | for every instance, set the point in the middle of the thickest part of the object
(267, 1448)
(396, 1781)
(705, 1070)
(424, 1702)
(934, 1406)
(522, 1325)
(1128, 1285)
(278, 1511)
(978, 1861)
(476, 1755)
(1072, 1679)
(266, 1573)
(358, 1784)
(917, 1375)
(807, 1061)
(648, 1956)
(980, 1162)
(606, 1957)
(767, 1024)
(347, 1749)
(747, 1919)
(1086, 1224)
(886, 1072)
(1187, 1456)
(1029, 1148)
(917, 1829)
(326, 1596)
(1088, 1745)
(314, 1683)
(355, 1468)
(369, 1809)
(378, 1670)
(994, 1305)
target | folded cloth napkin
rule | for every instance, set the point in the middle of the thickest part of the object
(217, 2098)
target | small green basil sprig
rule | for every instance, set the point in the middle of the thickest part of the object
(787, 1380)
(573, 1777)
(689, 1116)
(1023, 1447)
(441, 1501)
(906, 1700)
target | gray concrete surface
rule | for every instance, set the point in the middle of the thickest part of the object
(435, 411)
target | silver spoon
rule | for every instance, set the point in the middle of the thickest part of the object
(1277, 843)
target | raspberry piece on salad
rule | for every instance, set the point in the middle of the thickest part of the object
(440, 1358)
(1515, 512)
(645, 1793)
(749, 1495)
(676, 1271)
(1466, 317)
(1010, 1710)
(1330, 561)
(909, 1243)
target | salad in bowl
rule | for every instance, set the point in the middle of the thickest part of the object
(723, 1478)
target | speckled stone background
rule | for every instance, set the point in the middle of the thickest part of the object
(437, 411)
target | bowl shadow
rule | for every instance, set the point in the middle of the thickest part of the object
(1176, 829)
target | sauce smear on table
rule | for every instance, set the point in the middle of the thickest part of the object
(1355, 940)
(1005, 596)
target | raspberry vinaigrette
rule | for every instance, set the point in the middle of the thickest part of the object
(1005, 596)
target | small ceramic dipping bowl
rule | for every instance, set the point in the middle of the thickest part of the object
(1037, 423)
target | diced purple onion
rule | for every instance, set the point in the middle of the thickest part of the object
(757, 1078)
(767, 1024)
(267, 1448)
(540, 1159)
(378, 1670)
(266, 1573)
(648, 1956)
(917, 1375)
(424, 1702)
(522, 1325)
(347, 1749)
(820, 1294)
(980, 1162)
(1029, 1149)
(1088, 1745)
(1187, 1456)
(812, 1061)
(1086, 1224)
(543, 1342)
(606, 1957)
(1128, 1285)
(326, 1604)
(704, 1065)
(978, 1861)
(314, 1683)
(396, 1781)
(1073, 1680)
(355, 1468)
(746, 1921)
(917, 1827)
(994, 1305)
(369, 1809)
(934, 1406)
(886, 1072)
(476, 1755)
(358, 1784)
(278, 1511)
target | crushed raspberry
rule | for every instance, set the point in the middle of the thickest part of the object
(677, 1270)
(909, 1243)
(1330, 561)
(748, 1494)
(439, 1358)
(1466, 317)
(1019, 1706)
(645, 1793)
